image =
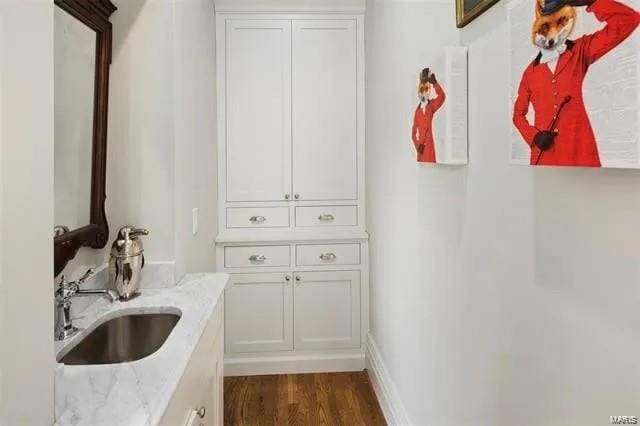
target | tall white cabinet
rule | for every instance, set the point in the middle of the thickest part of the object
(291, 190)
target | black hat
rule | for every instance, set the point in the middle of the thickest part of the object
(551, 6)
(424, 76)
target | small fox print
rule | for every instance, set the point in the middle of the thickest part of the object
(553, 83)
(431, 97)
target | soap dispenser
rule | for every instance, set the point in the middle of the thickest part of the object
(127, 261)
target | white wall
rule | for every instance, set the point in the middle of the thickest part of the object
(26, 177)
(140, 164)
(284, 6)
(195, 134)
(500, 293)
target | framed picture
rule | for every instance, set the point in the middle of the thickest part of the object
(468, 10)
(439, 127)
(574, 92)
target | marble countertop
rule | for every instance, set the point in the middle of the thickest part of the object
(135, 393)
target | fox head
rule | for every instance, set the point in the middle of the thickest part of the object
(551, 31)
(424, 87)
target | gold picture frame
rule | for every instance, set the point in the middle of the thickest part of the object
(464, 16)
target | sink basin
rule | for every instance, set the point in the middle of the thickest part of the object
(122, 339)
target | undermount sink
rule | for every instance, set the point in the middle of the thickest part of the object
(122, 339)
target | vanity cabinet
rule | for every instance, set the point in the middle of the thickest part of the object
(198, 399)
(291, 189)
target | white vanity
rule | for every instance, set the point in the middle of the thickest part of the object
(181, 383)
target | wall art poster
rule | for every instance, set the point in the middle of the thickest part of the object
(575, 82)
(439, 130)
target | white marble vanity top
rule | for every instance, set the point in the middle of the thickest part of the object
(136, 393)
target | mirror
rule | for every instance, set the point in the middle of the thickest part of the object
(82, 49)
(74, 76)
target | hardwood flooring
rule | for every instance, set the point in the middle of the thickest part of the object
(302, 399)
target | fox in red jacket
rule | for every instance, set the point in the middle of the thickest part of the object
(422, 131)
(562, 134)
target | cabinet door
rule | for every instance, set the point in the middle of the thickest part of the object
(259, 313)
(327, 310)
(325, 110)
(258, 110)
(204, 413)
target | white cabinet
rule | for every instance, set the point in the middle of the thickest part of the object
(259, 315)
(258, 110)
(291, 189)
(325, 84)
(290, 122)
(327, 310)
(198, 399)
(320, 311)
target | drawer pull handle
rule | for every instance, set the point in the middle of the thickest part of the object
(255, 258)
(257, 219)
(329, 257)
(326, 218)
(201, 412)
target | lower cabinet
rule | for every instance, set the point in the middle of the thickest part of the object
(327, 310)
(198, 399)
(259, 313)
(268, 312)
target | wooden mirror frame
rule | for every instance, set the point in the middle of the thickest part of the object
(94, 14)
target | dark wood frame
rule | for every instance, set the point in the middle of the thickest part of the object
(463, 18)
(94, 14)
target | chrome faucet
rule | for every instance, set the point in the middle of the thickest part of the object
(66, 291)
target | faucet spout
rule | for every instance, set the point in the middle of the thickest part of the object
(110, 294)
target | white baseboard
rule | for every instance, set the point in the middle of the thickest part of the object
(385, 389)
(293, 364)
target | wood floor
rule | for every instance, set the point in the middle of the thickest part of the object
(302, 399)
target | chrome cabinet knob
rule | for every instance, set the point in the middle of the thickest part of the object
(201, 412)
(329, 257)
(298, 278)
(257, 219)
(296, 196)
(257, 258)
(287, 196)
(287, 278)
(326, 218)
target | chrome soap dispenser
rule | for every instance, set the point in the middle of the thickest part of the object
(127, 261)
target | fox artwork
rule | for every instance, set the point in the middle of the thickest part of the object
(561, 133)
(431, 98)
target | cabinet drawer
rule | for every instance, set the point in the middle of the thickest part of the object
(256, 256)
(327, 216)
(258, 217)
(328, 254)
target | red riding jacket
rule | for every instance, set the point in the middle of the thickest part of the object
(575, 144)
(422, 132)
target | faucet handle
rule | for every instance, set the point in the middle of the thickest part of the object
(86, 276)
(66, 290)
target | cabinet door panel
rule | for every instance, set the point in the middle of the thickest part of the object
(259, 313)
(327, 310)
(325, 110)
(258, 115)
